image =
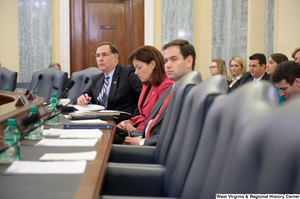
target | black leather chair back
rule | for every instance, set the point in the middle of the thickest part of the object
(79, 77)
(51, 77)
(186, 138)
(227, 116)
(178, 95)
(8, 79)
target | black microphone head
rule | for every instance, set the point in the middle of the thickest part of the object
(55, 87)
(67, 109)
(70, 85)
(40, 76)
(86, 80)
(30, 120)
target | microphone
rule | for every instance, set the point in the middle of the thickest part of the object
(56, 88)
(39, 78)
(69, 86)
(30, 120)
(86, 80)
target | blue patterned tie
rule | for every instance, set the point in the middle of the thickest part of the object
(102, 93)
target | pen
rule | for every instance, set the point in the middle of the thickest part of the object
(86, 98)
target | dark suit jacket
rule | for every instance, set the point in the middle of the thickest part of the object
(124, 91)
(247, 77)
(154, 133)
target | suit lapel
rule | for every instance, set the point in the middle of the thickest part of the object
(114, 84)
(150, 96)
(98, 87)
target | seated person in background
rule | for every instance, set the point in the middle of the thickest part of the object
(179, 60)
(273, 62)
(55, 65)
(117, 88)
(286, 78)
(296, 55)
(257, 70)
(149, 67)
(237, 70)
(217, 66)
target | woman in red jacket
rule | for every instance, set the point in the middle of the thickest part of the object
(149, 67)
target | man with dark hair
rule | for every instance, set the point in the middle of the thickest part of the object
(257, 71)
(117, 88)
(180, 57)
(286, 78)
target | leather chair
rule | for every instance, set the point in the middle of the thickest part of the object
(78, 78)
(151, 154)
(8, 79)
(266, 156)
(227, 118)
(51, 77)
(160, 178)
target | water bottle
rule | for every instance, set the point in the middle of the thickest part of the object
(37, 133)
(11, 135)
(53, 97)
(52, 108)
(34, 92)
(5, 89)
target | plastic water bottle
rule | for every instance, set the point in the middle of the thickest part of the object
(53, 97)
(34, 91)
(5, 89)
(52, 108)
(37, 133)
(11, 135)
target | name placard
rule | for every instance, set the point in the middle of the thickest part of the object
(22, 91)
(107, 26)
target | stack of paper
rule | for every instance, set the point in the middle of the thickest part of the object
(89, 156)
(67, 142)
(32, 167)
(73, 133)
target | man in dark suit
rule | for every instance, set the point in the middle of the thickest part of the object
(257, 72)
(117, 88)
(179, 59)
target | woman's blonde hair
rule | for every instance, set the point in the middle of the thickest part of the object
(221, 67)
(241, 62)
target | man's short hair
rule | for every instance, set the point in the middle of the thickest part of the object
(186, 49)
(113, 48)
(288, 70)
(261, 58)
(295, 51)
(53, 64)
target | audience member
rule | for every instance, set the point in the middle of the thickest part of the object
(273, 62)
(286, 78)
(55, 65)
(217, 66)
(257, 70)
(117, 88)
(296, 55)
(237, 70)
(149, 67)
(179, 57)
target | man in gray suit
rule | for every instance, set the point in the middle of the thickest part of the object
(179, 59)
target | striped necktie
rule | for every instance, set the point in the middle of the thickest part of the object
(100, 98)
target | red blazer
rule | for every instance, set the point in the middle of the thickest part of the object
(153, 95)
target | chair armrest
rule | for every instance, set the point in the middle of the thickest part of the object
(132, 154)
(133, 180)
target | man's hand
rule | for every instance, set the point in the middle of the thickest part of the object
(126, 126)
(132, 141)
(82, 100)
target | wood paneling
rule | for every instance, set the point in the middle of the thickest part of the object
(125, 28)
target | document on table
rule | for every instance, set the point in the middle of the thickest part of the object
(89, 156)
(67, 142)
(90, 121)
(58, 132)
(33, 167)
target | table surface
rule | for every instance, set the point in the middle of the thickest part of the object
(45, 186)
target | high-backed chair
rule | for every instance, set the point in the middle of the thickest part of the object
(8, 79)
(266, 155)
(185, 139)
(79, 77)
(227, 117)
(150, 154)
(51, 77)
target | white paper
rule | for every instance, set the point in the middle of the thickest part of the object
(67, 142)
(58, 132)
(33, 167)
(90, 121)
(89, 156)
(89, 107)
(82, 135)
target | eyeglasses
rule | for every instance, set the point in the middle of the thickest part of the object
(211, 67)
(102, 54)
